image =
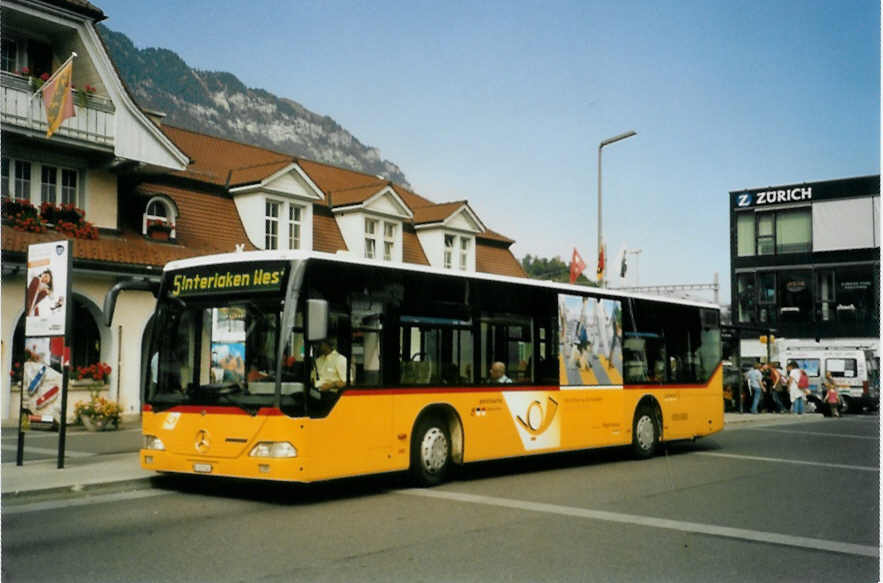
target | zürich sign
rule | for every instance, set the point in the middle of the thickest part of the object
(800, 194)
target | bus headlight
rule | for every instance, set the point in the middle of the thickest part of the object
(275, 449)
(152, 442)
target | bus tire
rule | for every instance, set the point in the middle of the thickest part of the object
(430, 451)
(645, 433)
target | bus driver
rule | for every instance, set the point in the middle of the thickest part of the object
(329, 368)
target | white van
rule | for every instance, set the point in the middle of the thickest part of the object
(854, 370)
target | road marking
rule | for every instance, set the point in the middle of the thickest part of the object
(68, 502)
(820, 433)
(786, 461)
(632, 519)
(46, 450)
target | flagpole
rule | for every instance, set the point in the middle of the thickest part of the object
(57, 71)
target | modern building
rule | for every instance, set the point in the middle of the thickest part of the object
(155, 193)
(805, 261)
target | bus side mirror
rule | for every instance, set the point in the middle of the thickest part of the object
(110, 298)
(317, 320)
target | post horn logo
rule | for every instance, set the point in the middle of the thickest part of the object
(538, 420)
(202, 444)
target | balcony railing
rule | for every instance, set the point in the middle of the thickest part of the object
(94, 121)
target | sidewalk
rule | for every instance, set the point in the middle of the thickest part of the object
(119, 470)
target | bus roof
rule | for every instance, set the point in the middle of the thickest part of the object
(289, 255)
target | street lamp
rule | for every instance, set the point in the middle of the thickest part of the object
(627, 134)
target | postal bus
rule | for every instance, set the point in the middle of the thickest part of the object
(230, 380)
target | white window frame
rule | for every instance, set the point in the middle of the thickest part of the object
(26, 184)
(371, 237)
(295, 225)
(170, 217)
(449, 250)
(35, 191)
(389, 239)
(464, 253)
(63, 189)
(53, 191)
(271, 223)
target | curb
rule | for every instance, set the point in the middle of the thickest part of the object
(28, 496)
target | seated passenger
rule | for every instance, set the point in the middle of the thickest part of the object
(498, 373)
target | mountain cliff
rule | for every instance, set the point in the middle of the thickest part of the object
(219, 104)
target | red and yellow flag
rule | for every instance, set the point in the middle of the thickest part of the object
(601, 264)
(58, 99)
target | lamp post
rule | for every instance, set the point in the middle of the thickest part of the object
(627, 134)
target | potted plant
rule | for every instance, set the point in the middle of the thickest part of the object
(98, 414)
(159, 229)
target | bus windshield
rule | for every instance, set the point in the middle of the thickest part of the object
(214, 351)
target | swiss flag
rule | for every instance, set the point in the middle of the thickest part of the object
(577, 265)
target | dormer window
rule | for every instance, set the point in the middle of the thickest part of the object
(295, 214)
(450, 240)
(158, 221)
(271, 224)
(464, 253)
(389, 240)
(370, 238)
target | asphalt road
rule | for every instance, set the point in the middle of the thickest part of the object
(795, 502)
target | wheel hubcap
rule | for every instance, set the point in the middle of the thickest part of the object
(434, 450)
(644, 432)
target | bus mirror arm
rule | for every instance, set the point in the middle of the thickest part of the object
(110, 298)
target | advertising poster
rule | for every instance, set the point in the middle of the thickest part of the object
(42, 379)
(228, 345)
(590, 340)
(47, 286)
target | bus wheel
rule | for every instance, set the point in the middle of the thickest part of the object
(645, 433)
(430, 452)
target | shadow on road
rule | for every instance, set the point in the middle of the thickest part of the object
(287, 493)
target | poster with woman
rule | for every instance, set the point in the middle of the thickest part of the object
(47, 288)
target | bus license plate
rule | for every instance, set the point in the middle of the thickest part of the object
(202, 468)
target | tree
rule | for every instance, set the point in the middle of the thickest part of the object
(553, 269)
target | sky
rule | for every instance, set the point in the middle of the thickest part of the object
(504, 104)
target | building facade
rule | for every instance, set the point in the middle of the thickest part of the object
(805, 262)
(153, 193)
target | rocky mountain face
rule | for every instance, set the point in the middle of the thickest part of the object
(217, 103)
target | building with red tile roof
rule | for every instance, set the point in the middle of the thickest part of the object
(157, 193)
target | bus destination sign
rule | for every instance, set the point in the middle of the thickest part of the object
(230, 278)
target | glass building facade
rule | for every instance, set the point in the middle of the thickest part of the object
(805, 259)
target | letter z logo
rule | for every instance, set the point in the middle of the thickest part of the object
(744, 200)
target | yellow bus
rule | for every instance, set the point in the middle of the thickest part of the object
(298, 366)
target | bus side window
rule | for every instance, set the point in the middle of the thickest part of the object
(507, 338)
(367, 331)
(435, 351)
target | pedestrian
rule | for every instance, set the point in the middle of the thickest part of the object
(755, 383)
(778, 386)
(832, 397)
(794, 391)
